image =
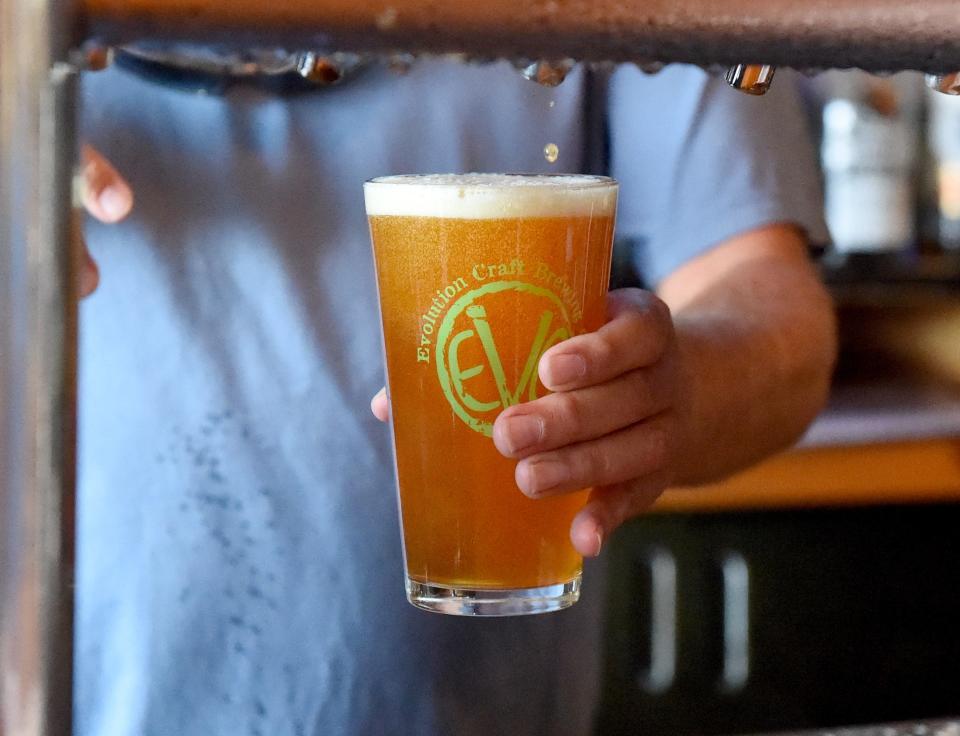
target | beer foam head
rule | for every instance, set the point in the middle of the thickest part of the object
(490, 196)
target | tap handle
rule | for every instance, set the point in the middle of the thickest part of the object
(948, 84)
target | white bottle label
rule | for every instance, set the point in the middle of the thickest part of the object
(869, 211)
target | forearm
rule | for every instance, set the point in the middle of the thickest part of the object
(756, 350)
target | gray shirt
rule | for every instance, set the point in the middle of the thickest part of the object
(239, 564)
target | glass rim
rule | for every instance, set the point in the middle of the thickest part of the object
(578, 181)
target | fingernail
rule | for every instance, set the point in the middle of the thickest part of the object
(113, 202)
(539, 476)
(560, 370)
(522, 431)
(588, 536)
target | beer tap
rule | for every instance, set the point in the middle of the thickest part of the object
(948, 84)
(752, 79)
(545, 73)
(324, 69)
(94, 57)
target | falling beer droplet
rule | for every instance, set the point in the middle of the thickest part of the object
(551, 152)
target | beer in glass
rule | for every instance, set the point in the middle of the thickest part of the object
(479, 275)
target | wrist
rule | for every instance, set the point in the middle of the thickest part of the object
(690, 416)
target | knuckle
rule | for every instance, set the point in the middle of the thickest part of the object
(636, 322)
(659, 308)
(641, 393)
(643, 335)
(594, 466)
(628, 299)
(604, 352)
(567, 414)
(658, 448)
(664, 322)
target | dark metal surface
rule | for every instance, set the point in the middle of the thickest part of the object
(871, 34)
(920, 728)
(37, 368)
(802, 621)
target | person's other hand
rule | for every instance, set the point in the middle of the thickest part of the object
(106, 196)
(611, 423)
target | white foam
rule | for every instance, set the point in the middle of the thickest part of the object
(490, 196)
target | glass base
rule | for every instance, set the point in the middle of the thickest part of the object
(493, 601)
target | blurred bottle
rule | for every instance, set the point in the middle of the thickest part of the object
(943, 137)
(869, 153)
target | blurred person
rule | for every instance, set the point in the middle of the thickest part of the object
(239, 566)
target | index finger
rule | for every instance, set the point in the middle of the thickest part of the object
(637, 335)
(106, 195)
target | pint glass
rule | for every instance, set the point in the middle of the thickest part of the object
(479, 274)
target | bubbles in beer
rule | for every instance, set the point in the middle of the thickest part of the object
(551, 152)
(546, 73)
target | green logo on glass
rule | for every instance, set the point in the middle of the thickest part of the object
(487, 359)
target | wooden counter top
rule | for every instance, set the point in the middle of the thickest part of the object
(891, 433)
(903, 472)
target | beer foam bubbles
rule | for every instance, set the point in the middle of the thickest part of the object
(490, 196)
